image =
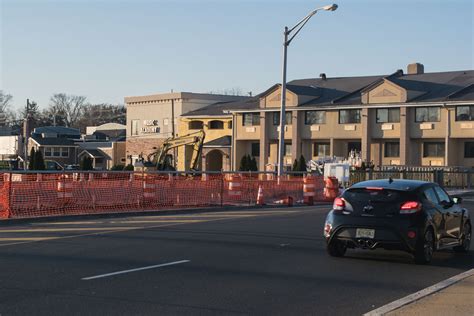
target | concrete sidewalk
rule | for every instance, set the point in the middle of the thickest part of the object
(457, 299)
(460, 192)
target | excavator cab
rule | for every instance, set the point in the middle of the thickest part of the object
(168, 164)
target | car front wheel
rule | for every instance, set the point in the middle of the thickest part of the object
(424, 248)
(465, 239)
(336, 248)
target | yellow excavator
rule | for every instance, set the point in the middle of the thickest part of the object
(162, 161)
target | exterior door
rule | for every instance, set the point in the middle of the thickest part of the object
(437, 213)
(452, 211)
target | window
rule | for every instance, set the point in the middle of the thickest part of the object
(64, 152)
(392, 149)
(195, 125)
(276, 118)
(314, 117)
(57, 151)
(356, 146)
(442, 195)
(255, 149)
(287, 149)
(349, 116)
(431, 195)
(465, 113)
(48, 152)
(388, 115)
(321, 149)
(216, 125)
(251, 119)
(469, 150)
(427, 114)
(135, 127)
(433, 149)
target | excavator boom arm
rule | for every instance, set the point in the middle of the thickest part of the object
(197, 139)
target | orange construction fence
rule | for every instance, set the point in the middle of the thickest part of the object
(24, 195)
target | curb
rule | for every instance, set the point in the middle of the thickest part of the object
(15, 221)
(420, 294)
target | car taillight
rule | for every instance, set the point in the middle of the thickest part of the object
(339, 204)
(410, 207)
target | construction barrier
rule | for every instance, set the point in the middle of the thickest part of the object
(24, 195)
(309, 191)
(331, 189)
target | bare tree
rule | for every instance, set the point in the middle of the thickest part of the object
(97, 114)
(6, 113)
(70, 107)
(5, 100)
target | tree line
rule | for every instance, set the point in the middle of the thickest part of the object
(63, 110)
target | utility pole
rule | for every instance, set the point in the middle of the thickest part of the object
(25, 133)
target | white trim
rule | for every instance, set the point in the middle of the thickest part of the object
(357, 106)
(420, 294)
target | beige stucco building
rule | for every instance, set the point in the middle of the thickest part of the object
(216, 121)
(417, 118)
(153, 118)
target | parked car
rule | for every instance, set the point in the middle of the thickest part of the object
(415, 216)
(72, 167)
(53, 165)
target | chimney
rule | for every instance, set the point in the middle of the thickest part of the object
(415, 69)
(322, 76)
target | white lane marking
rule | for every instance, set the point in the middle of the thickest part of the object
(134, 270)
(420, 294)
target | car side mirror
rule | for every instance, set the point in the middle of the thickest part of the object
(446, 204)
(457, 200)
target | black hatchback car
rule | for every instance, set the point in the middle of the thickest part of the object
(415, 216)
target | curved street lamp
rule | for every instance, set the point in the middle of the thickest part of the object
(297, 28)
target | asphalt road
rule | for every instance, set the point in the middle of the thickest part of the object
(257, 262)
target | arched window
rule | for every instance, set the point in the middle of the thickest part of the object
(216, 125)
(195, 125)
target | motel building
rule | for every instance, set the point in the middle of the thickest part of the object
(151, 119)
(413, 118)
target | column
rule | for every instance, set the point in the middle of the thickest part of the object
(296, 135)
(331, 147)
(366, 135)
(405, 158)
(446, 138)
(264, 141)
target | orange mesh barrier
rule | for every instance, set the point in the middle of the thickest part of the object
(48, 194)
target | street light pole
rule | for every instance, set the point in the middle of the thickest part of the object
(281, 140)
(286, 43)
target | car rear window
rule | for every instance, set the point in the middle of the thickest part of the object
(363, 195)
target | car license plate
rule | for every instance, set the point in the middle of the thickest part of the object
(365, 233)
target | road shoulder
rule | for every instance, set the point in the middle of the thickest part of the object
(453, 296)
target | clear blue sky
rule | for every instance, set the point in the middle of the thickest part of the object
(108, 49)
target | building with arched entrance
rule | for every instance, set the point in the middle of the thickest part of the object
(151, 119)
(216, 121)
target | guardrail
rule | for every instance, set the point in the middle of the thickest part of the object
(34, 194)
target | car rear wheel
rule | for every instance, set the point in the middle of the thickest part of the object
(465, 239)
(336, 248)
(424, 248)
